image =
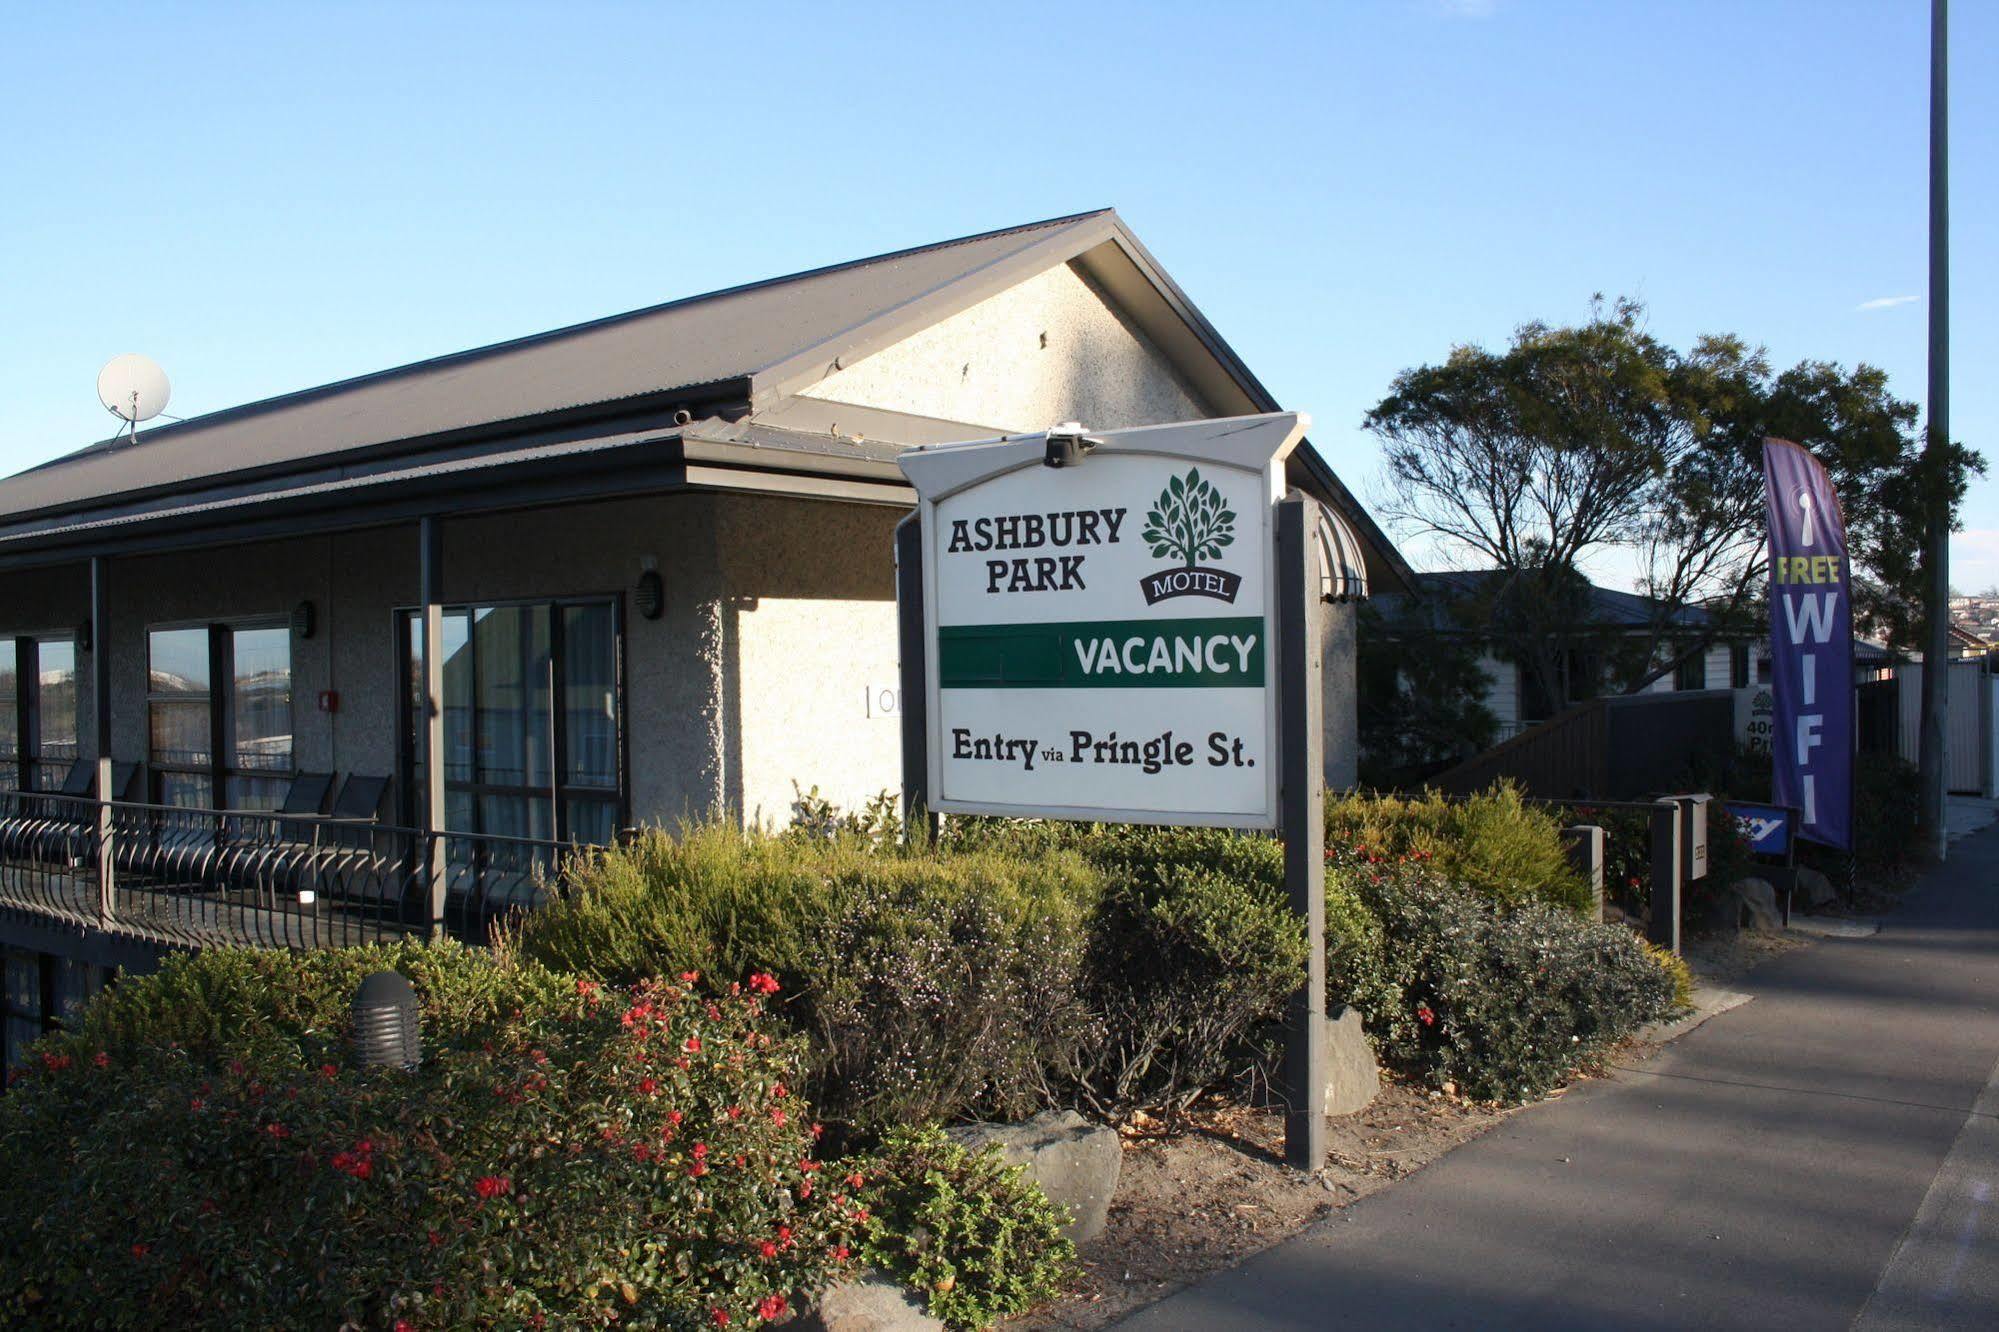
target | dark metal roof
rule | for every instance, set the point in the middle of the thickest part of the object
(723, 336)
(593, 388)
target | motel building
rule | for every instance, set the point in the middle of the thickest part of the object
(643, 564)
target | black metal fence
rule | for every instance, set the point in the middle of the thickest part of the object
(196, 877)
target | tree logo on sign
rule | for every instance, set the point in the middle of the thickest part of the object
(1190, 522)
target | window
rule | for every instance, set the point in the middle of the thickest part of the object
(41, 993)
(37, 711)
(54, 710)
(1738, 666)
(1691, 673)
(227, 690)
(515, 764)
(10, 722)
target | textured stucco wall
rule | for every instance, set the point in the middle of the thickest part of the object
(1047, 350)
(809, 624)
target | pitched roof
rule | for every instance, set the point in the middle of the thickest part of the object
(723, 336)
(741, 352)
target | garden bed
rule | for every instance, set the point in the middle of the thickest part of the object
(1208, 1199)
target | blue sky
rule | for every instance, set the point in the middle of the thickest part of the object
(264, 198)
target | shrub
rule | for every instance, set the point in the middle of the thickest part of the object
(969, 1234)
(593, 1157)
(1502, 1003)
(1193, 950)
(1494, 843)
(296, 1005)
(938, 994)
(934, 984)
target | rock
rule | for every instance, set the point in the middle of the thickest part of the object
(1814, 889)
(868, 1304)
(1352, 1076)
(1757, 905)
(1074, 1161)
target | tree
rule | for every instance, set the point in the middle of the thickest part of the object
(1578, 441)
(1190, 520)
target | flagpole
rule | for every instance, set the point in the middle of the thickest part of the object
(1931, 760)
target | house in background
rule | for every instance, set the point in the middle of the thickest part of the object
(1733, 660)
(638, 569)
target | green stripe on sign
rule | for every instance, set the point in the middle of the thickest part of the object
(1221, 653)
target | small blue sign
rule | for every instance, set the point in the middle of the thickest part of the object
(1767, 828)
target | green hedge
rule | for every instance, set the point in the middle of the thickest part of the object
(1501, 1003)
(198, 1153)
(569, 1157)
(934, 986)
(1494, 843)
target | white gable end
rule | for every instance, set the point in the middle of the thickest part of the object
(1048, 350)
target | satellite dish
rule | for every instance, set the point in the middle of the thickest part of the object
(132, 388)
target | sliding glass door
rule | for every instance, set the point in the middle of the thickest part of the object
(531, 719)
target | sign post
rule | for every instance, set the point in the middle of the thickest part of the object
(1122, 628)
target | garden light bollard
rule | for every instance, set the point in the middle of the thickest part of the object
(388, 1027)
(1664, 928)
(1585, 843)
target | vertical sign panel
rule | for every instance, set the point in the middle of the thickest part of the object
(1100, 633)
(1811, 643)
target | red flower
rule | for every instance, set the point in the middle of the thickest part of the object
(763, 982)
(673, 1117)
(101, 1059)
(771, 1307)
(492, 1186)
(777, 1089)
(141, 1250)
(55, 1063)
(1425, 1015)
(277, 1130)
(856, 1180)
(587, 988)
(693, 1045)
(329, 1072)
(700, 1151)
(647, 1086)
(840, 1253)
(784, 1235)
(688, 978)
(405, 1325)
(719, 1317)
(767, 1249)
(735, 1112)
(777, 1115)
(698, 1169)
(435, 1239)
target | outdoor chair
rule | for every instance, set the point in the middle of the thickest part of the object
(60, 827)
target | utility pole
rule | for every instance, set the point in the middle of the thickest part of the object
(1936, 446)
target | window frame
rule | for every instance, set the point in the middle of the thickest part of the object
(405, 632)
(1693, 667)
(221, 702)
(28, 759)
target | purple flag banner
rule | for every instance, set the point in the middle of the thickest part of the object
(1811, 645)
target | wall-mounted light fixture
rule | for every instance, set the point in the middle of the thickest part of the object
(649, 596)
(83, 637)
(304, 619)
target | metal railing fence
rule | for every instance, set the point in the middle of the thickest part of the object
(199, 877)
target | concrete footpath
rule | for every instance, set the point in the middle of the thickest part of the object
(1825, 1157)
